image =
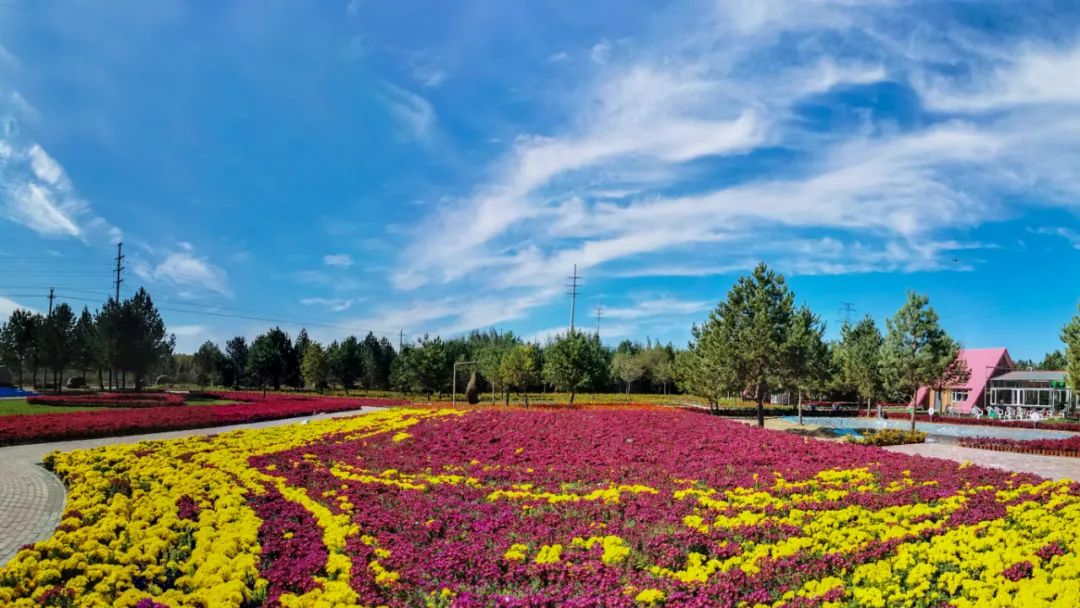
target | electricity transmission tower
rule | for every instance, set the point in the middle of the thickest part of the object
(119, 269)
(573, 286)
(847, 309)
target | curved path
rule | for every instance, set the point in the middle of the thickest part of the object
(32, 498)
(1052, 467)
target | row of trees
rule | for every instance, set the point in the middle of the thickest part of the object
(758, 342)
(274, 359)
(124, 338)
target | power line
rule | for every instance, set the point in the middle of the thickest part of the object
(573, 295)
(282, 321)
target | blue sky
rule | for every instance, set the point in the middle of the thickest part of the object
(435, 167)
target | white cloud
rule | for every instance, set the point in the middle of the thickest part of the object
(352, 9)
(184, 271)
(559, 57)
(338, 260)
(600, 52)
(666, 306)
(414, 115)
(334, 304)
(1070, 235)
(187, 330)
(1028, 77)
(35, 190)
(8, 306)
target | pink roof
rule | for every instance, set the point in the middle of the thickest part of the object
(984, 363)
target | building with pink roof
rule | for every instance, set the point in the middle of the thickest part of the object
(984, 363)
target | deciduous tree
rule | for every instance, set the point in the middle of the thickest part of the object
(574, 361)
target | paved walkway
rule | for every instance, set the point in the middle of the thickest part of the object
(1053, 467)
(32, 498)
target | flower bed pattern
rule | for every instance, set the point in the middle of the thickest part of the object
(413, 507)
(1055, 426)
(105, 423)
(1070, 446)
(108, 399)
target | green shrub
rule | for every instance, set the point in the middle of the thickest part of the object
(889, 437)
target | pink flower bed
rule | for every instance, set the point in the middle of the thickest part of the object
(1057, 426)
(1070, 446)
(108, 400)
(104, 423)
(523, 508)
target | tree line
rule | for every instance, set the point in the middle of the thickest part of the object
(758, 343)
(122, 338)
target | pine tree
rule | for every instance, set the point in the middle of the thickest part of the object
(807, 355)
(916, 352)
(859, 354)
(1070, 335)
(56, 341)
(743, 346)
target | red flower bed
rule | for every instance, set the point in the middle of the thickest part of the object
(1057, 426)
(108, 400)
(105, 423)
(1070, 446)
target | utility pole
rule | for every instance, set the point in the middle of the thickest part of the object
(573, 295)
(119, 268)
(599, 315)
(51, 296)
(400, 340)
(847, 308)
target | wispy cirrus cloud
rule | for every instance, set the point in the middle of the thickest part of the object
(332, 304)
(413, 114)
(338, 260)
(668, 128)
(189, 274)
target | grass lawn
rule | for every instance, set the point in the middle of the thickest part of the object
(210, 402)
(18, 407)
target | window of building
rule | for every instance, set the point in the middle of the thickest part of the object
(959, 396)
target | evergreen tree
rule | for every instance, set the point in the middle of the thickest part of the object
(346, 363)
(208, 363)
(1054, 361)
(575, 361)
(144, 340)
(744, 344)
(916, 351)
(85, 346)
(56, 341)
(1070, 335)
(236, 350)
(859, 354)
(18, 341)
(268, 359)
(807, 355)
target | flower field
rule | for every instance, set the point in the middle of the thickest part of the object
(605, 507)
(1069, 446)
(105, 423)
(126, 400)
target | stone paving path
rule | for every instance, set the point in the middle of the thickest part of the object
(32, 498)
(1053, 467)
